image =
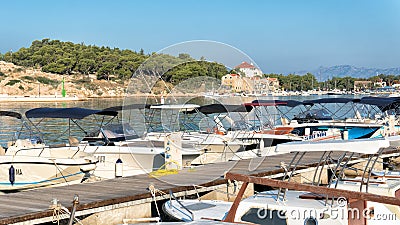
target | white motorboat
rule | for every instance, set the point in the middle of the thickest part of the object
(327, 205)
(199, 146)
(261, 208)
(111, 150)
(25, 164)
(318, 116)
(157, 126)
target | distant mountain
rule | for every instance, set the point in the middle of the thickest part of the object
(324, 73)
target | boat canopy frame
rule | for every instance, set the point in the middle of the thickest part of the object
(376, 105)
(338, 104)
(73, 114)
(153, 117)
(283, 107)
(224, 112)
(24, 124)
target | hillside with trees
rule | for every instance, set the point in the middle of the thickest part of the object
(47, 62)
(82, 62)
(66, 58)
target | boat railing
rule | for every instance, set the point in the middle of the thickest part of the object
(171, 194)
(368, 169)
(289, 171)
(44, 148)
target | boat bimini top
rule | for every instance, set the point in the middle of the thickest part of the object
(72, 114)
(68, 113)
(11, 114)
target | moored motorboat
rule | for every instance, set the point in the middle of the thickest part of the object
(111, 151)
(310, 203)
(28, 163)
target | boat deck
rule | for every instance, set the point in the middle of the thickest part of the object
(33, 205)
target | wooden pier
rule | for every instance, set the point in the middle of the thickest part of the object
(31, 207)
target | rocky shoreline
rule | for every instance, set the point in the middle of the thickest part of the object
(31, 84)
(17, 81)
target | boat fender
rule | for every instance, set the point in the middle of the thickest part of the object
(119, 166)
(11, 173)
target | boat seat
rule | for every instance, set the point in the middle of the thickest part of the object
(284, 121)
(73, 141)
(58, 145)
(21, 144)
(10, 143)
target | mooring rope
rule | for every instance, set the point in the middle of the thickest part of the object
(154, 192)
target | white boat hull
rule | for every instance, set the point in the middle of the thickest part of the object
(135, 160)
(41, 167)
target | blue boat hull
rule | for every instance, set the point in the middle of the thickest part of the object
(354, 132)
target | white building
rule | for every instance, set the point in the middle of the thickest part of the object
(249, 70)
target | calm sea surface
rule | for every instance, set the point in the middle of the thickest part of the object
(54, 129)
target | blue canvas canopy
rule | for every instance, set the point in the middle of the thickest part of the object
(11, 114)
(70, 113)
(222, 108)
(382, 103)
(331, 100)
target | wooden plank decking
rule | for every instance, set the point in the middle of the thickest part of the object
(34, 204)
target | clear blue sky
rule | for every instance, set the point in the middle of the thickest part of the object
(281, 36)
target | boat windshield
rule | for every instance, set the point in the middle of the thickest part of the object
(314, 115)
(119, 132)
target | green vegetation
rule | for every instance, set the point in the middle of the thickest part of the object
(389, 79)
(45, 80)
(29, 78)
(195, 69)
(12, 82)
(18, 70)
(67, 58)
(81, 81)
(293, 82)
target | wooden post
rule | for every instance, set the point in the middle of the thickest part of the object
(232, 212)
(331, 192)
